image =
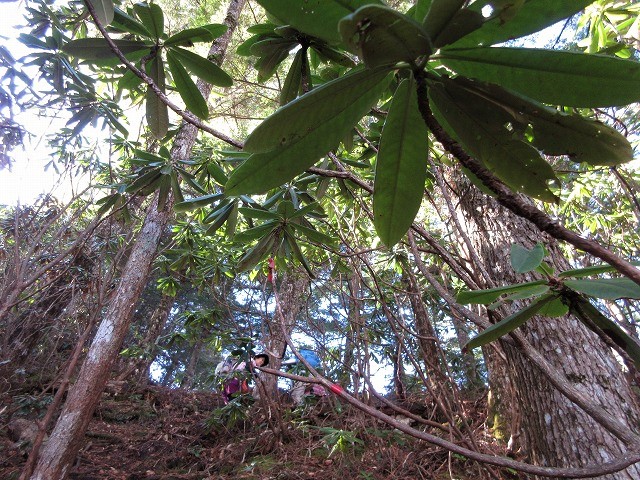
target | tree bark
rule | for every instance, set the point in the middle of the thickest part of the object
(555, 432)
(293, 291)
(67, 436)
(65, 440)
(428, 340)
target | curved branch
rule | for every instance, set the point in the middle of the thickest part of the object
(587, 472)
(510, 200)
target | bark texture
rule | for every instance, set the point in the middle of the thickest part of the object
(555, 432)
(65, 440)
(293, 291)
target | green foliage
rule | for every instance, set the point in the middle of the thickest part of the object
(482, 129)
(298, 134)
(104, 11)
(446, 22)
(555, 297)
(510, 323)
(147, 21)
(340, 441)
(389, 37)
(531, 17)
(279, 236)
(187, 88)
(318, 18)
(551, 76)
(230, 415)
(524, 260)
(400, 167)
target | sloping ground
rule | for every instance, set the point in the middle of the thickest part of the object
(167, 434)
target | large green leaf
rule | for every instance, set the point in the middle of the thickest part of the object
(556, 132)
(151, 16)
(197, 202)
(329, 54)
(203, 68)
(524, 260)
(296, 250)
(188, 37)
(551, 76)
(440, 14)
(255, 233)
(318, 18)
(382, 36)
(291, 85)
(268, 64)
(323, 105)
(223, 215)
(259, 214)
(556, 308)
(480, 127)
(591, 317)
(420, 9)
(532, 17)
(254, 255)
(157, 113)
(298, 134)
(609, 288)
(401, 167)
(580, 139)
(271, 45)
(462, 24)
(104, 11)
(510, 323)
(592, 270)
(314, 236)
(244, 48)
(99, 49)
(447, 21)
(485, 297)
(187, 88)
(126, 23)
(530, 291)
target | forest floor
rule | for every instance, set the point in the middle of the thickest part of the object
(164, 434)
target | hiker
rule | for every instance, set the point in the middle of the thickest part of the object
(235, 375)
(301, 390)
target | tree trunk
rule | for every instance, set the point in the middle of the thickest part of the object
(555, 431)
(293, 291)
(352, 358)
(428, 340)
(58, 455)
(67, 436)
(473, 380)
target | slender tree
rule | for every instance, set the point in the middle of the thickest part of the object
(59, 453)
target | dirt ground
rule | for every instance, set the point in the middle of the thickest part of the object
(164, 434)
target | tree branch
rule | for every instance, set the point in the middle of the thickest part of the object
(510, 200)
(185, 114)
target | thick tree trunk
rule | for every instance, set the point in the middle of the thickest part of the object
(64, 442)
(293, 291)
(555, 432)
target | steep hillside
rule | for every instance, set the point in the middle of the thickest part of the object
(163, 434)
